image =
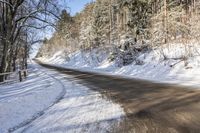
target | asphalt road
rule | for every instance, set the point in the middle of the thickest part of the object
(150, 107)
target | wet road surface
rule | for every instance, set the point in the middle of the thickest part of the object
(150, 107)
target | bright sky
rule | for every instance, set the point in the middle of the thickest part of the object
(77, 5)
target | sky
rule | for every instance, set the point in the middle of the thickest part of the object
(76, 5)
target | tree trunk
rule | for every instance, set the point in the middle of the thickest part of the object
(165, 21)
(110, 28)
(15, 58)
(4, 63)
(26, 57)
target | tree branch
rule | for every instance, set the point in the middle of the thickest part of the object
(7, 3)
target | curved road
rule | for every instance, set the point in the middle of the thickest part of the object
(150, 107)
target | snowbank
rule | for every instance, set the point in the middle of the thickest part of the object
(155, 67)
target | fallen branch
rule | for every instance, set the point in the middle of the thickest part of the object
(176, 63)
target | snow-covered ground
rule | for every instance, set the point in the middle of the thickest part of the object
(155, 68)
(50, 102)
(22, 102)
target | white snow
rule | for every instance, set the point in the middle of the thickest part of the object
(155, 68)
(33, 107)
(81, 110)
(21, 102)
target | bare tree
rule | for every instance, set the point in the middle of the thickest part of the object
(17, 17)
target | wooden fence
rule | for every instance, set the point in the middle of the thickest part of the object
(22, 74)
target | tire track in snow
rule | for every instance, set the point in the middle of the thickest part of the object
(39, 114)
(81, 110)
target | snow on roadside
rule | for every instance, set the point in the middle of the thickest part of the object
(22, 102)
(81, 110)
(155, 68)
(33, 107)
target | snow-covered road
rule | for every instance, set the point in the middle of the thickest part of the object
(49, 102)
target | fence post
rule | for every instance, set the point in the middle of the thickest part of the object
(25, 73)
(20, 76)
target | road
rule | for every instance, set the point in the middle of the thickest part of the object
(150, 107)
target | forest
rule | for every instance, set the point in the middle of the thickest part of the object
(124, 27)
(131, 25)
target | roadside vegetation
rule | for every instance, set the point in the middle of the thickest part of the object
(127, 28)
(20, 21)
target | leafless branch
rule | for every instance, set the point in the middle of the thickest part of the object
(9, 4)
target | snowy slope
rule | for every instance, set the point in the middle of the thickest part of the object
(155, 68)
